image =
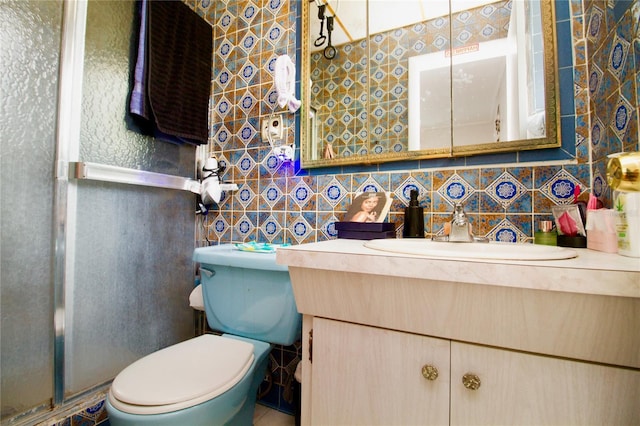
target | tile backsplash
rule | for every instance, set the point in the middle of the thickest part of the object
(280, 202)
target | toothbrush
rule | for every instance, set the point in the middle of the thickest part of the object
(582, 206)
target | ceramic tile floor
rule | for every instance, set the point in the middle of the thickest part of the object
(265, 416)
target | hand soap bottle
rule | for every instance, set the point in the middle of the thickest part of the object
(413, 218)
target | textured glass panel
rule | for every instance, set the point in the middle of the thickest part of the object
(29, 46)
(104, 136)
(133, 276)
(133, 269)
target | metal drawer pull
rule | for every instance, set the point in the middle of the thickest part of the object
(471, 381)
(429, 372)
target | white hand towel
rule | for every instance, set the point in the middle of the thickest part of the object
(285, 77)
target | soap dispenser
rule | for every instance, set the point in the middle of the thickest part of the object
(413, 218)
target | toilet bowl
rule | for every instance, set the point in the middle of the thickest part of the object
(213, 379)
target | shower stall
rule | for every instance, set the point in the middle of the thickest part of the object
(94, 274)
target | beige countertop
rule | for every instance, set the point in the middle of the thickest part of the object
(591, 272)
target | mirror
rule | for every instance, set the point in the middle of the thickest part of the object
(390, 81)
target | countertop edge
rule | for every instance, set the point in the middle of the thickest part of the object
(591, 272)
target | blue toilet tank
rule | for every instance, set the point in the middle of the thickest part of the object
(247, 294)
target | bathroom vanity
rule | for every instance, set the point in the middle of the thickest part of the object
(393, 338)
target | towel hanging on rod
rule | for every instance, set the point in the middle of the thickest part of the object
(172, 77)
(285, 77)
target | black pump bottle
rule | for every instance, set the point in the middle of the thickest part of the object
(413, 218)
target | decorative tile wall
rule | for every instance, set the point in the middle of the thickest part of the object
(612, 74)
(249, 35)
(280, 202)
(505, 195)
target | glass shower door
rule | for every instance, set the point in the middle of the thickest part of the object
(29, 54)
(93, 275)
(131, 272)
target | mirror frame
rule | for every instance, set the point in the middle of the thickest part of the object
(552, 137)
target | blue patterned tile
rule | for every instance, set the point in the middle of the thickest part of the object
(300, 229)
(246, 164)
(272, 195)
(333, 192)
(327, 226)
(249, 74)
(403, 193)
(271, 164)
(248, 103)
(621, 117)
(222, 79)
(223, 107)
(595, 80)
(225, 21)
(244, 229)
(506, 232)
(505, 190)
(274, 6)
(244, 196)
(561, 188)
(249, 13)
(271, 230)
(596, 20)
(275, 34)
(247, 133)
(225, 49)
(599, 185)
(222, 137)
(618, 57)
(301, 194)
(455, 190)
(219, 226)
(598, 135)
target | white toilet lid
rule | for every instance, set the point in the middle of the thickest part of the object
(193, 371)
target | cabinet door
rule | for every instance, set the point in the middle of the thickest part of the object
(370, 376)
(524, 389)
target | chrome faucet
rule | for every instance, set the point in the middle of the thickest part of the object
(460, 226)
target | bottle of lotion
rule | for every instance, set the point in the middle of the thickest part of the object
(628, 224)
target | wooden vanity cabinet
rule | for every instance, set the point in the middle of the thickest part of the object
(372, 376)
(548, 343)
(363, 375)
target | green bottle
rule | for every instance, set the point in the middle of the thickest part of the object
(546, 234)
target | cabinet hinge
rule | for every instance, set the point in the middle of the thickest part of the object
(311, 345)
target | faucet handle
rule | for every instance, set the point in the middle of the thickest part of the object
(458, 212)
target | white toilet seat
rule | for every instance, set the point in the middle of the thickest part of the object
(182, 375)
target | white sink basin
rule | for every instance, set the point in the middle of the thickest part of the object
(493, 250)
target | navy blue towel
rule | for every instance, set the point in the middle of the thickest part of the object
(172, 78)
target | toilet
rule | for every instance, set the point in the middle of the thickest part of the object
(213, 379)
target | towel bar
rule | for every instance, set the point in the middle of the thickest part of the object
(107, 173)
